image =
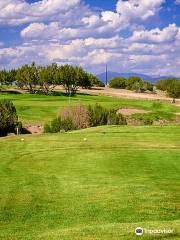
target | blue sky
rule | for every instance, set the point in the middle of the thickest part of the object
(130, 36)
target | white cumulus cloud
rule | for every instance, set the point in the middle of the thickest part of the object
(168, 34)
(15, 12)
(138, 9)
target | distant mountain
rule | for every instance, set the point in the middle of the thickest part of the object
(111, 75)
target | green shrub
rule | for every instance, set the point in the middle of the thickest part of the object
(8, 117)
(56, 125)
(47, 128)
(132, 82)
(118, 82)
(98, 115)
(115, 119)
(59, 125)
(67, 125)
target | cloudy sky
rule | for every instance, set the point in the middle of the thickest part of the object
(129, 35)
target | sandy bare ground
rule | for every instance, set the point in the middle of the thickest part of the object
(34, 129)
(123, 93)
(130, 111)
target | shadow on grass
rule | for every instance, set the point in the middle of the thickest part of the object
(57, 93)
(11, 91)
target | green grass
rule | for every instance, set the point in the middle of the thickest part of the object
(41, 108)
(62, 187)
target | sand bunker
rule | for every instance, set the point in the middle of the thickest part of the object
(34, 129)
(130, 111)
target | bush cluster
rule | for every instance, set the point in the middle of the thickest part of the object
(8, 118)
(80, 117)
(132, 83)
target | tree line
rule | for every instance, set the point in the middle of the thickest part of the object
(133, 83)
(45, 78)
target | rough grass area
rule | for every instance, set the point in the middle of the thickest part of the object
(99, 183)
(40, 108)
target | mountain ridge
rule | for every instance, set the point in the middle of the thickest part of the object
(152, 79)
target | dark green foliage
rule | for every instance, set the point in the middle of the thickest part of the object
(58, 125)
(95, 82)
(148, 86)
(84, 79)
(8, 117)
(67, 125)
(171, 86)
(47, 128)
(73, 78)
(138, 85)
(163, 84)
(28, 76)
(38, 79)
(49, 77)
(98, 115)
(173, 89)
(7, 77)
(115, 119)
(118, 82)
(132, 82)
(101, 116)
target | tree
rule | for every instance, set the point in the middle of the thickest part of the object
(4, 77)
(8, 117)
(28, 76)
(69, 81)
(49, 77)
(73, 77)
(118, 82)
(173, 89)
(95, 82)
(133, 81)
(82, 78)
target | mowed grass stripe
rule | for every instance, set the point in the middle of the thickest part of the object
(61, 187)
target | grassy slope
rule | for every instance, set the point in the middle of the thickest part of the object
(40, 108)
(62, 187)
